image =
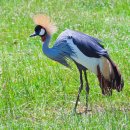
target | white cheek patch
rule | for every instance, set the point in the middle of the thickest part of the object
(42, 32)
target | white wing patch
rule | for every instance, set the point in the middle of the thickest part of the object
(89, 62)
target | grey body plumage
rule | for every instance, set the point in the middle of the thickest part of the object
(62, 50)
(59, 52)
(87, 53)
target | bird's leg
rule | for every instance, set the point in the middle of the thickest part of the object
(87, 89)
(80, 89)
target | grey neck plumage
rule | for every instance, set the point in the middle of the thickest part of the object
(49, 52)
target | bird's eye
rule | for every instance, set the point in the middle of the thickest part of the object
(42, 32)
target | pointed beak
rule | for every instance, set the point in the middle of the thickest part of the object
(33, 35)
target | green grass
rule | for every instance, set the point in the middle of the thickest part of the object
(38, 93)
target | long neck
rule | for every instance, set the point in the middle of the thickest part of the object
(45, 47)
(46, 42)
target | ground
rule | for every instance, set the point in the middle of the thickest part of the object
(38, 93)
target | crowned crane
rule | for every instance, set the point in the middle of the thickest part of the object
(86, 52)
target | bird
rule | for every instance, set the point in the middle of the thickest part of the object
(84, 50)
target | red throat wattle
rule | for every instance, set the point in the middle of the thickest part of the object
(43, 38)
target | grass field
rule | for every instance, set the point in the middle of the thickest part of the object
(38, 93)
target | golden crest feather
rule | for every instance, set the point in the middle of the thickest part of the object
(45, 22)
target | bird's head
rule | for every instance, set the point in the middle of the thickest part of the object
(44, 26)
(39, 31)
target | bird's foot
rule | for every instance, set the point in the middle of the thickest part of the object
(87, 110)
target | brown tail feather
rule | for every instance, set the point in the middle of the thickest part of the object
(105, 85)
(115, 81)
(118, 81)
